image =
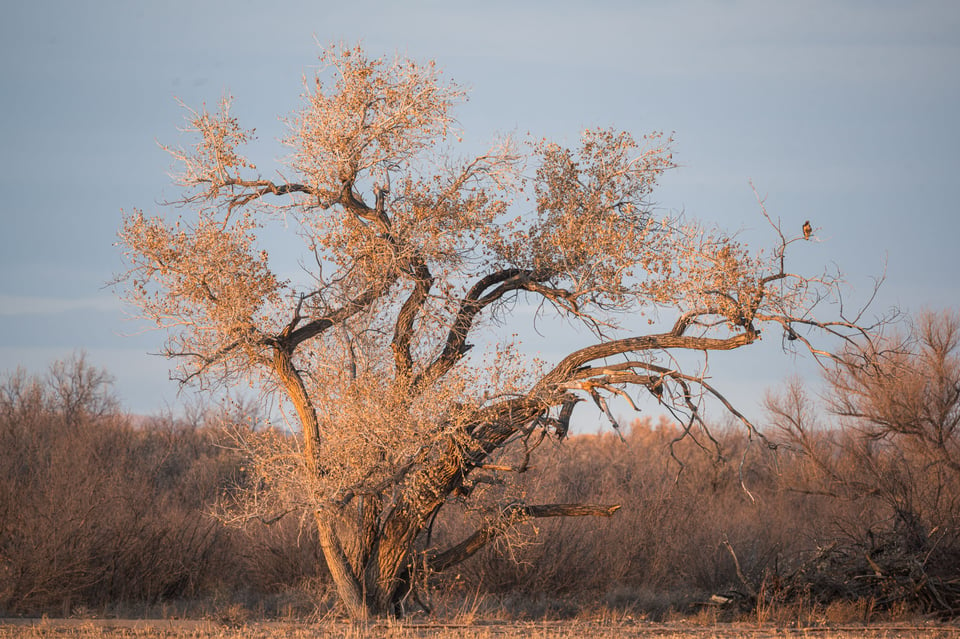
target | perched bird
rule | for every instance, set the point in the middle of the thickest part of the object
(807, 230)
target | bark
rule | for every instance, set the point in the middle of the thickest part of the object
(366, 559)
(348, 586)
(297, 392)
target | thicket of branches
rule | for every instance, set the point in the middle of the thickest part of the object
(101, 509)
(860, 501)
(894, 460)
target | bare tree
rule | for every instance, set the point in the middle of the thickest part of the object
(896, 455)
(907, 389)
(409, 254)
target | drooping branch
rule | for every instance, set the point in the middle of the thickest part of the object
(567, 368)
(511, 515)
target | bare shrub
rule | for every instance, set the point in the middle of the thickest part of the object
(96, 509)
(891, 475)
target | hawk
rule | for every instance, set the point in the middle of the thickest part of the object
(807, 230)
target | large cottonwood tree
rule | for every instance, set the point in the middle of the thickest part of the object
(409, 253)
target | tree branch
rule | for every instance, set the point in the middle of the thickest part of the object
(403, 331)
(261, 188)
(512, 515)
(567, 369)
(293, 337)
(475, 301)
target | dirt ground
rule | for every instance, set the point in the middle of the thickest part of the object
(204, 629)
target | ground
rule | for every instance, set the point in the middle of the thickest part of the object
(206, 629)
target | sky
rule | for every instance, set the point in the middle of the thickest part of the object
(841, 112)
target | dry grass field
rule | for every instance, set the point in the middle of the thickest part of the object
(177, 629)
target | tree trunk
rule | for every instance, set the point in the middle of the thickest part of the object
(369, 566)
(365, 562)
(352, 593)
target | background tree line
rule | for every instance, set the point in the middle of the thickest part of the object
(856, 498)
(98, 507)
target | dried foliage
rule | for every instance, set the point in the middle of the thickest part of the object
(409, 252)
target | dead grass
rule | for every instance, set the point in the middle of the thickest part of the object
(624, 628)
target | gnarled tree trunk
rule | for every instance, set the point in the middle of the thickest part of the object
(372, 577)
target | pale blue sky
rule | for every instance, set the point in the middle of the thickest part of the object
(841, 112)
